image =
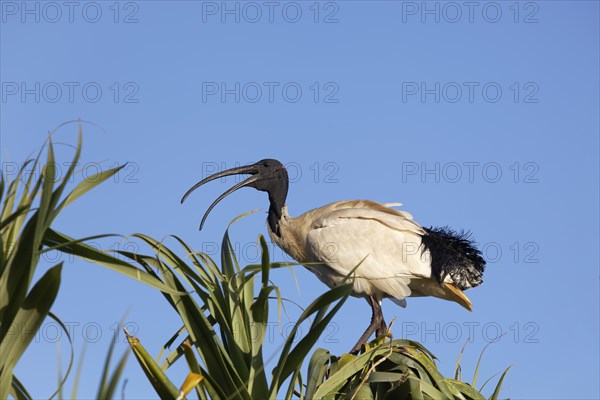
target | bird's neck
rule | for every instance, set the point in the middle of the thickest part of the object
(273, 220)
(277, 196)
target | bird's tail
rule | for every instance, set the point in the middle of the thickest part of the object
(454, 253)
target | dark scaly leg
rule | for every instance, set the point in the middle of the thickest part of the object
(382, 329)
(377, 324)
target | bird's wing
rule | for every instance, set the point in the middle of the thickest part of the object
(385, 208)
(387, 242)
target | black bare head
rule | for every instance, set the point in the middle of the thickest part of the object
(267, 175)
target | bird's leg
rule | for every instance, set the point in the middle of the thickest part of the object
(377, 324)
(383, 328)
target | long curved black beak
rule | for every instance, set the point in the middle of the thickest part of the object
(249, 169)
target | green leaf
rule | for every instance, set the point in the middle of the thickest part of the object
(496, 393)
(27, 322)
(437, 378)
(62, 380)
(465, 388)
(161, 383)
(108, 381)
(349, 369)
(88, 184)
(18, 391)
(457, 369)
(378, 376)
(290, 361)
(71, 246)
(317, 369)
(474, 383)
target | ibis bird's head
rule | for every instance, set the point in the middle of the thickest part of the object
(267, 175)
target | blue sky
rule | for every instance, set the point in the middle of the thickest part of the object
(481, 116)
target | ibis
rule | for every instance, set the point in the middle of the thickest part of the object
(396, 257)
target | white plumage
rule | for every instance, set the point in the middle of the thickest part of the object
(332, 240)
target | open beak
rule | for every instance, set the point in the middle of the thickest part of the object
(249, 169)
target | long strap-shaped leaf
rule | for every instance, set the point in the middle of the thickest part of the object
(349, 369)
(217, 360)
(26, 323)
(80, 249)
(161, 383)
(290, 361)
